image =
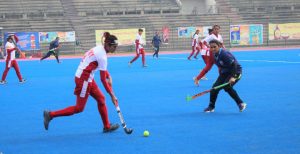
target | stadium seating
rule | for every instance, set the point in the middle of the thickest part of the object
(86, 16)
(263, 12)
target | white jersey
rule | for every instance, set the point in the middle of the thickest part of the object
(195, 42)
(208, 38)
(93, 60)
(12, 54)
(139, 42)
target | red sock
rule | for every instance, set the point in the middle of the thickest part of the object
(104, 115)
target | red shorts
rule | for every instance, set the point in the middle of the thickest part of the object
(83, 87)
(140, 51)
(11, 63)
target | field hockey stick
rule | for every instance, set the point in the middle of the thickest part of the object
(127, 130)
(189, 98)
(53, 50)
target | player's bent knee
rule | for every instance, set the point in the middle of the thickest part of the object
(78, 109)
(213, 91)
(101, 101)
(228, 89)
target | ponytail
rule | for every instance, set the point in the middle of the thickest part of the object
(106, 34)
(110, 39)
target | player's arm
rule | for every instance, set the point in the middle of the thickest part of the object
(108, 87)
(15, 38)
(109, 78)
(207, 67)
(207, 39)
(9, 50)
(58, 46)
(137, 43)
(222, 44)
(104, 76)
(229, 59)
(200, 45)
(234, 75)
(15, 41)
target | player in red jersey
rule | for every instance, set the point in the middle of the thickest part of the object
(139, 49)
(11, 61)
(93, 60)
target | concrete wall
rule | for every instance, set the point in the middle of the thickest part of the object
(196, 6)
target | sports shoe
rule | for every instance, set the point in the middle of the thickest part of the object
(242, 106)
(209, 109)
(145, 65)
(3, 82)
(111, 128)
(47, 119)
(22, 81)
(195, 57)
(129, 64)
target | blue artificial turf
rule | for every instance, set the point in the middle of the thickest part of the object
(153, 99)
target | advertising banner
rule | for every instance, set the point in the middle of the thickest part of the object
(1, 37)
(47, 37)
(286, 31)
(27, 40)
(165, 34)
(186, 32)
(125, 36)
(246, 35)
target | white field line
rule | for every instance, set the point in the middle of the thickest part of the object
(267, 61)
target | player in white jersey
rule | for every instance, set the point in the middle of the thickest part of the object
(195, 45)
(214, 36)
(95, 59)
(204, 48)
(139, 49)
(11, 48)
(209, 60)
